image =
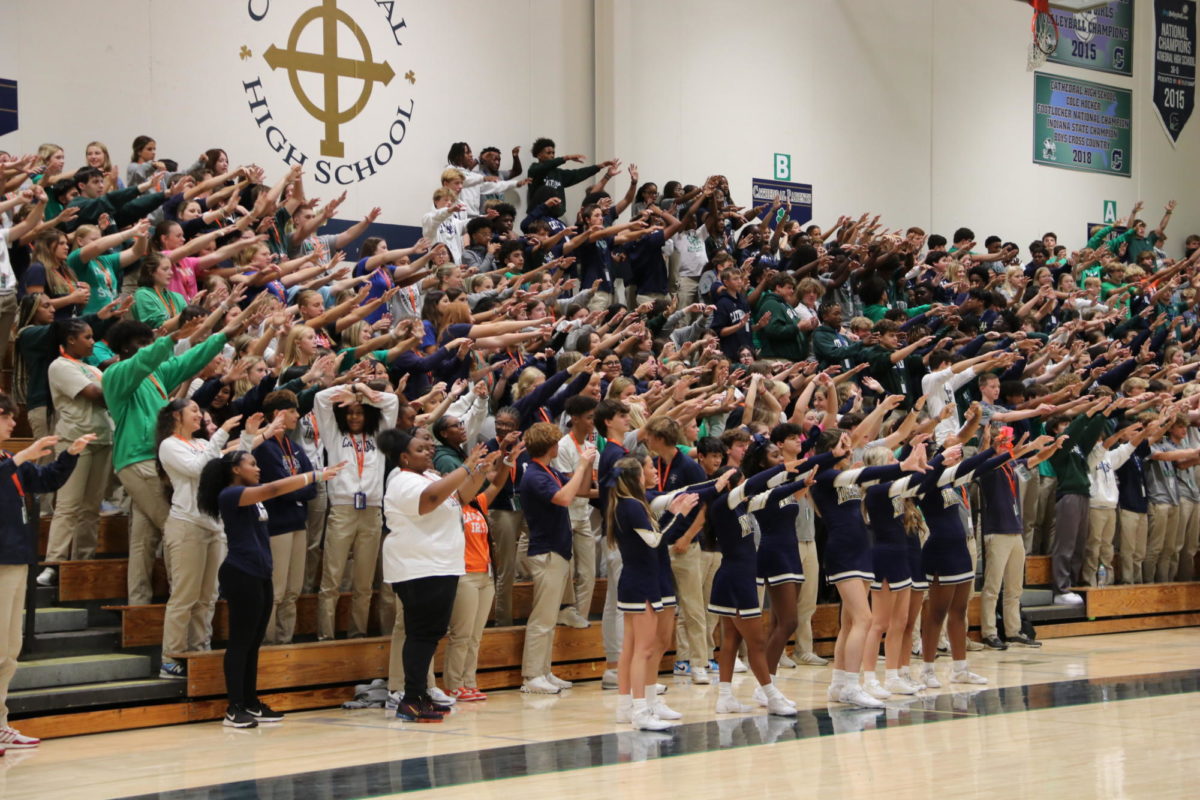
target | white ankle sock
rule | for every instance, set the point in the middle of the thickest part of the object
(624, 701)
(870, 677)
(960, 666)
(651, 694)
(926, 666)
(639, 704)
(725, 689)
(891, 674)
(839, 677)
(772, 691)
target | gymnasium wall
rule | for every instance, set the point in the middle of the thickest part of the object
(919, 110)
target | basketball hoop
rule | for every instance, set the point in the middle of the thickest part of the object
(1045, 34)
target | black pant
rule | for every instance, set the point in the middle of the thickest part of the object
(428, 603)
(250, 600)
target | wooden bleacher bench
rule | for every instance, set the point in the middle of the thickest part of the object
(112, 540)
(1037, 571)
(102, 579)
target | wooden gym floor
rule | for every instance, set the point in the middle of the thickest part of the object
(1097, 716)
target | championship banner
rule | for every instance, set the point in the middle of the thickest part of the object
(1174, 63)
(1098, 37)
(1082, 125)
(765, 192)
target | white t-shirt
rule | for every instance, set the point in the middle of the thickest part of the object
(690, 247)
(420, 545)
(8, 279)
(567, 462)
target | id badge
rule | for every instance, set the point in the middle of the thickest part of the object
(24, 514)
(516, 502)
(360, 500)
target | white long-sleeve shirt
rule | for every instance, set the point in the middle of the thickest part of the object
(939, 388)
(1103, 465)
(475, 186)
(442, 227)
(183, 460)
(364, 469)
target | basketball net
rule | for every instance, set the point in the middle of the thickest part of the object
(1041, 46)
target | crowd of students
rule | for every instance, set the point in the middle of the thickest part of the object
(711, 404)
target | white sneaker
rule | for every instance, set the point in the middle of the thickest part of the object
(786, 663)
(966, 676)
(812, 660)
(393, 700)
(916, 648)
(738, 666)
(624, 714)
(47, 577)
(660, 688)
(700, 676)
(728, 704)
(781, 707)
(13, 739)
(554, 680)
(644, 720)
(974, 646)
(906, 674)
(539, 685)
(930, 679)
(898, 685)
(664, 711)
(834, 693)
(855, 696)
(1068, 599)
(874, 689)
(438, 696)
(609, 679)
(572, 618)
(760, 697)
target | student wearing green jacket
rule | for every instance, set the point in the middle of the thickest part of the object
(546, 173)
(124, 206)
(1074, 489)
(135, 389)
(1136, 238)
(898, 369)
(781, 337)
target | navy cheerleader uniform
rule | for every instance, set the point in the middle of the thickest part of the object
(778, 558)
(884, 509)
(945, 555)
(639, 540)
(666, 577)
(837, 495)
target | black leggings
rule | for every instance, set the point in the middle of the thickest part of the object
(428, 603)
(250, 600)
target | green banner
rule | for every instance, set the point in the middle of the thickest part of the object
(1082, 125)
(1097, 37)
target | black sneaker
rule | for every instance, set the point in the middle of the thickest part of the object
(238, 717)
(416, 710)
(994, 643)
(264, 713)
(1024, 641)
(440, 708)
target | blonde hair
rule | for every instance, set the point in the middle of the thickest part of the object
(244, 383)
(43, 251)
(529, 378)
(290, 349)
(247, 253)
(107, 165)
(46, 150)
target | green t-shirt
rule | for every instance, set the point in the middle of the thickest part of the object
(102, 274)
(156, 306)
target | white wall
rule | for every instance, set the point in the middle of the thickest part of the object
(919, 110)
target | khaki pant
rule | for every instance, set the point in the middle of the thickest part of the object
(1183, 564)
(1102, 527)
(149, 510)
(1163, 525)
(351, 533)
(1133, 545)
(691, 625)
(612, 623)
(12, 611)
(1004, 565)
(472, 604)
(550, 571)
(76, 523)
(41, 423)
(193, 554)
(396, 655)
(287, 578)
(600, 301)
(689, 290)
(578, 591)
(8, 314)
(712, 562)
(1039, 515)
(506, 529)
(315, 532)
(806, 600)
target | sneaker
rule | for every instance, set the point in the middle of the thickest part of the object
(906, 674)
(557, 681)
(539, 685)
(738, 666)
(994, 643)
(760, 697)
(464, 694)
(930, 679)
(235, 717)
(700, 676)
(624, 714)
(393, 700)
(571, 618)
(812, 660)
(108, 509)
(966, 676)
(664, 711)
(47, 577)
(781, 707)
(475, 694)
(1068, 599)
(264, 713)
(173, 670)
(786, 663)
(660, 688)
(916, 648)
(682, 668)
(1024, 641)
(900, 686)
(609, 679)
(645, 720)
(855, 696)
(439, 697)
(875, 689)
(13, 739)
(834, 693)
(728, 704)
(713, 666)
(973, 646)
(417, 710)
(440, 708)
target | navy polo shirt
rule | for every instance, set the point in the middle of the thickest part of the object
(246, 530)
(549, 524)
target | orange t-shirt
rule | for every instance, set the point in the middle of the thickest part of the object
(477, 556)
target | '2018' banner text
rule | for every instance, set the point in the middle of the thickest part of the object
(1082, 125)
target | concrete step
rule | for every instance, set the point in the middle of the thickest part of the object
(55, 620)
(1037, 597)
(91, 695)
(66, 643)
(1053, 613)
(70, 670)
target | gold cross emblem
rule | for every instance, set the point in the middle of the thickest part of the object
(331, 66)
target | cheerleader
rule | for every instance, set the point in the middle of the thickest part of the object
(837, 495)
(635, 531)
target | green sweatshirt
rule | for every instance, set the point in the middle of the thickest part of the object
(550, 174)
(134, 400)
(148, 306)
(1070, 462)
(782, 337)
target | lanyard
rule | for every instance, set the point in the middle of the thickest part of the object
(360, 453)
(5, 455)
(158, 386)
(545, 416)
(167, 301)
(290, 455)
(316, 430)
(578, 449)
(86, 369)
(190, 443)
(1012, 481)
(663, 475)
(550, 472)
